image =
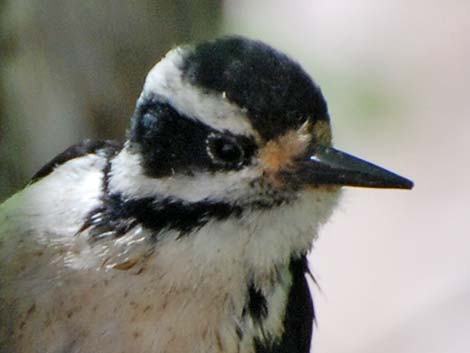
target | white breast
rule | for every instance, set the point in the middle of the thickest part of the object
(59, 293)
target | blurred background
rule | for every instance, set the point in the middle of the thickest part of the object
(393, 266)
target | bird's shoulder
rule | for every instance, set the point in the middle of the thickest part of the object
(60, 195)
(104, 148)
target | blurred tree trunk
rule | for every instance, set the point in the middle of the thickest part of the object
(73, 69)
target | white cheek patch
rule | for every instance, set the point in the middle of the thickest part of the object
(165, 80)
(127, 178)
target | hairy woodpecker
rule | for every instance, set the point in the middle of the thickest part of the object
(192, 236)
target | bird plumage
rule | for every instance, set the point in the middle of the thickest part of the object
(193, 235)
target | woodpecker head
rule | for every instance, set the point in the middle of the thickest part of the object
(235, 121)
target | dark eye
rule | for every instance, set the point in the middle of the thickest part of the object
(225, 150)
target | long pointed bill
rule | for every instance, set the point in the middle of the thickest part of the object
(332, 167)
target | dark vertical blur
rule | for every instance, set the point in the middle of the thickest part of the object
(73, 69)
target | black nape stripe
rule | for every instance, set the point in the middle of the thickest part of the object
(106, 147)
(119, 215)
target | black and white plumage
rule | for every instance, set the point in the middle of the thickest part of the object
(193, 235)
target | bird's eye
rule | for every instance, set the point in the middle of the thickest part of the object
(225, 150)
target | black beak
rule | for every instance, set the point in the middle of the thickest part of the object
(328, 166)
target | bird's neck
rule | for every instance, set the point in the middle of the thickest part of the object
(209, 233)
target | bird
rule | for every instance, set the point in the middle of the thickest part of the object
(193, 234)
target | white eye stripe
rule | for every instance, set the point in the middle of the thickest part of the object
(165, 80)
(128, 178)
